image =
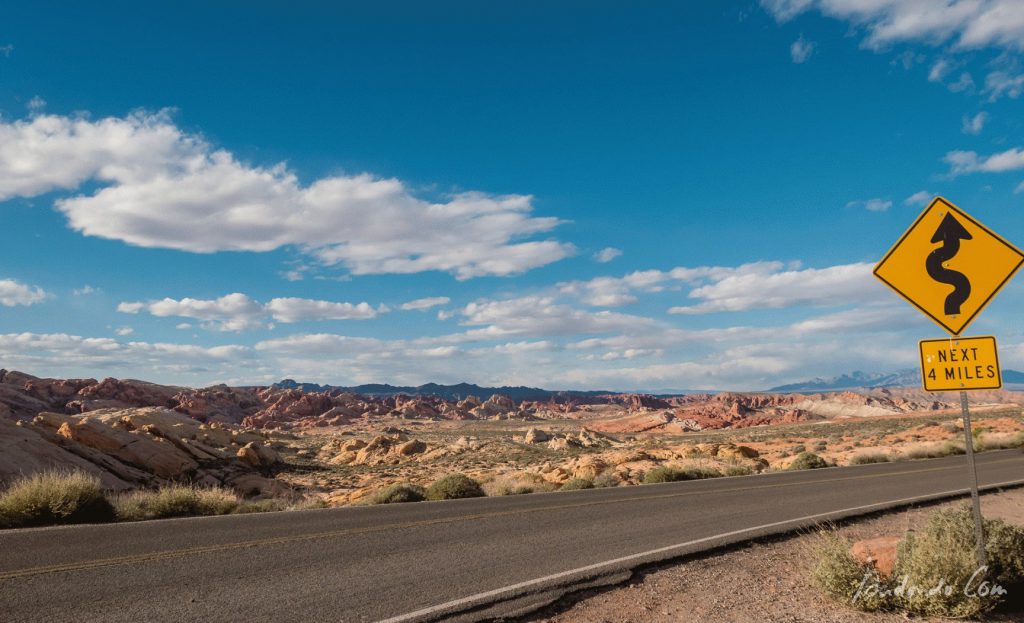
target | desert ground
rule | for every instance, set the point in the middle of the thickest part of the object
(768, 580)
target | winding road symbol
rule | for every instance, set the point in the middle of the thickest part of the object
(949, 265)
(950, 232)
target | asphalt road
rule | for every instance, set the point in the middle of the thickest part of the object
(465, 559)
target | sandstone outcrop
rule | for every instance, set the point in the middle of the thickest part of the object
(138, 447)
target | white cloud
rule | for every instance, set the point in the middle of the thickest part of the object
(426, 303)
(964, 83)
(6, 50)
(974, 125)
(298, 310)
(966, 23)
(36, 105)
(607, 254)
(124, 331)
(183, 325)
(542, 316)
(801, 50)
(939, 70)
(162, 187)
(1002, 83)
(872, 205)
(920, 198)
(14, 293)
(232, 312)
(832, 286)
(617, 291)
(85, 290)
(961, 162)
(238, 312)
(62, 354)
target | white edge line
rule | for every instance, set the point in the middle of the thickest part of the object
(661, 550)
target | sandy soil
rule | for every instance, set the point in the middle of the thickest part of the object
(764, 581)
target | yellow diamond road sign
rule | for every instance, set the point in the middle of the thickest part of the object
(949, 265)
(960, 363)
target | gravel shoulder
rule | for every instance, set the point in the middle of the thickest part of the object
(768, 580)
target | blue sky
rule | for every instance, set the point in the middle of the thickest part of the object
(622, 195)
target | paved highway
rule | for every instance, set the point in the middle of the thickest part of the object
(464, 559)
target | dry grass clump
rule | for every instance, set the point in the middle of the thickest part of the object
(54, 497)
(454, 487)
(737, 470)
(932, 450)
(936, 572)
(517, 485)
(399, 493)
(607, 478)
(576, 484)
(175, 500)
(867, 458)
(998, 441)
(664, 473)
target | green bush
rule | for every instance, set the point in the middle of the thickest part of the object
(576, 484)
(454, 487)
(671, 474)
(400, 493)
(941, 555)
(807, 460)
(175, 501)
(54, 497)
(867, 458)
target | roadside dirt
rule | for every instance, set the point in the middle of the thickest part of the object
(763, 581)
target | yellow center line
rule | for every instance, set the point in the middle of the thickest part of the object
(209, 549)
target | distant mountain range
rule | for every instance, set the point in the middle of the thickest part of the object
(448, 392)
(910, 377)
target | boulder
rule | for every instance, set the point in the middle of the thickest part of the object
(879, 552)
(535, 435)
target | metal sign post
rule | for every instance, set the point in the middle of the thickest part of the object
(979, 529)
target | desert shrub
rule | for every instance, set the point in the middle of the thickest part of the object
(821, 445)
(453, 487)
(577, 483)
(607, 478)
(933, 450)
(399, 493)
(671, 474)
(175, 500)
(945, 550)
(737, 470)
(807, 460)
(951, 427)
(55, 497)
(866, 458)
(941, 555)
(798, 449)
